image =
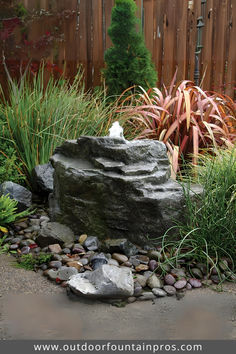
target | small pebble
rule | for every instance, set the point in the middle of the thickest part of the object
(131, 299)
(196, 283)
(141, 267)
(180, 284)
(146, 296)
(170, 290)
(121, 258)
(169, 279)
(56, 248)
(159, 292)
(55, 264)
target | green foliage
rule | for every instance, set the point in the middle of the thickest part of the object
(128, 62)
(3, 248)
(8, 209)
(10, 166)
(209, 233)
(40, 118)
(30, 261)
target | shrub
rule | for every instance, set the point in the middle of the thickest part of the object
(185, 118)
(209, 234)
(128, 62)
(40, 117)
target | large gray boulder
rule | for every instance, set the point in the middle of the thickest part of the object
(112, 188)
(54, 233)
(22, 195)
(43, 177)
(108, 281)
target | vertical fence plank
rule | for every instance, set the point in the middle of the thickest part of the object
(231, 60)
(207, 46)
(97, 44)
(169, 42)
(181, 39)
(158, 22)
(148, 24)
(219, 48)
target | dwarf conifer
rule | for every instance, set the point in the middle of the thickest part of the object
(128, 61)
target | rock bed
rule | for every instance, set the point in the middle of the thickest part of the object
(69, 258)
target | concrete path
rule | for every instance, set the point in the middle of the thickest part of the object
(31, 307)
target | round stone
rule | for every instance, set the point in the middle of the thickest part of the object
(66, 250)
(207, 282)
(131, 299)
(159, 292)
(142, 259)
(154, 282)
(91, 243)
(180, 284)
(55, 264)
(153, 254)
(14, 247)
(169, 279)
(196, 283)
(16, 240)
(82, 238)
(189, 286)
(126, 264)
(25, 250)
(57, 257)
(178, 272)
(43, 266)
(223, 264)
(75, 264)
(137, 289)
(64, 273)
(84, 261)
(153, 264)
(215, 279)
(52, 274)
(113, 262)
(146, 296)
(141, 267)
(121, 258)
(141, 279)
(197, 273)
(170, 290)
(78, 249)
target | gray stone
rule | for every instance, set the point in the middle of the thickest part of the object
(170, 290)
(159, 292)
(146, 296)
(105, 282)
(64, 273)
(169, 279)
(141, 280)
(25, 250)
(180, 284)
(196, 283)
(153, 264)
(53, 233)
(52, 274)
(55, 248)
(115, 188)
(121, 245)
(55, 264)
(138, 290)
(121, 258)
(131, 299)
(178, 272)
(98, 260)
(22, 195)
(153, 254)
(43, 178)
(113, 262)
(154, 282)
(197, 273)
(91, 243)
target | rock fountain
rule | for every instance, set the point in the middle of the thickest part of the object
(114, 188)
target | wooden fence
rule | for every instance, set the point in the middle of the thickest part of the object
(75, 32)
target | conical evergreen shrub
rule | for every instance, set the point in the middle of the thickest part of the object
(128, 61)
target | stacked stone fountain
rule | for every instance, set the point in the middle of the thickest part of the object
(113, 188)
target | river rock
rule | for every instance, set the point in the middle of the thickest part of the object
(105, 282)
(197, 273)
(25, 250)
(180, 284)
(76, 264)
(141, 279)
(43, 178)
(113, 262)
(82, 238)
(159, 292)
(154, 282)
(91, 243)
(98, 260)
(55, 248)
(64, 273)
(121, 258)
(121, 245)
(116, 188)
(169, 279)
(141, 267)
(55, 264)
(19, 193)
(196, 283)
(169, 289)
(53, 233)
(138, 290)
(146, 296)
(153, 264)
(52, 274)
